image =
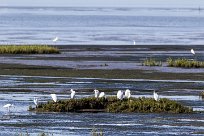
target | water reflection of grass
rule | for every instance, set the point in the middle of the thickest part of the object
(112, 104)
(28, 49)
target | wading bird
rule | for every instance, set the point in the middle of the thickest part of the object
(127, 93)
(35, 100)
(72, 93)
(192, 51)
(102, 94)
(156, 96)
(55, 39)
(54, 97)
(96, 93)
(134, 42)
(120, 95)
(8, 106)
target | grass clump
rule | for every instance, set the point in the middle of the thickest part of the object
(202, 95)
(112, 104)
(182, 62)
(28, 49)
(151, 62)
(95, 132)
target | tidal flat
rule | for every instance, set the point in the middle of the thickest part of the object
(107, 68)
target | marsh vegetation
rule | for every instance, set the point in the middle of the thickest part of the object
(151, 62)
(179, 62)
(186, 63)
(28, 49)
(96, 132)
(113, 105)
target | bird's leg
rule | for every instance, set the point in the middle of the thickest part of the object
(195, 58)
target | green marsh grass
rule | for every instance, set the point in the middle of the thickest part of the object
(28, 49)
(185, 63)
(151, 62)
(113, 105)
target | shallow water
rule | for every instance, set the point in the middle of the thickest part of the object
(107, 58)
(77, 25)
(22, 121)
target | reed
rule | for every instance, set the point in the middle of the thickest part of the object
(151, 62)
(28, 49)
(112, 104)
(183, 62)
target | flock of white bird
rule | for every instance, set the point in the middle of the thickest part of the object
(97, 94)
(120, 95)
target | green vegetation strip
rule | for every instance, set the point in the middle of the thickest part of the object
(182, 62)
(28, 49)
(112, 104)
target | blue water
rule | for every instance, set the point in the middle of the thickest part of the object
(21, 121)
(77, 25)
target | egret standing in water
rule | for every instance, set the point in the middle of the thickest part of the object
(35, 100)
(101, 95)
(192, 51)
(72, 93)
(54, 97)
(127, 93)
(134, 42)
(8, 106)
(156, 96)
(55, 39)
(96, 93)
(120, 95)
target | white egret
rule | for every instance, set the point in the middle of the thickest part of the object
(102, 94)
(156, 96)
(8, 106)
(192, 51)
(54, 97)
(134, 42)
(127, 93)
(96, 93)
(120, 95)
(35, 100)
(72, 93)
(55, 39)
